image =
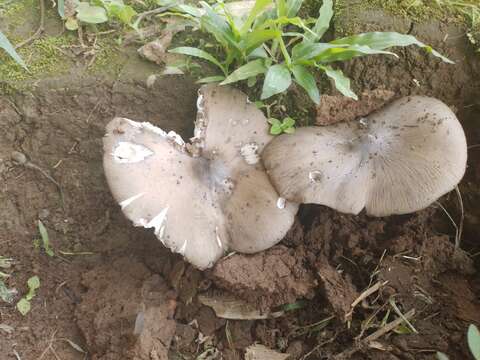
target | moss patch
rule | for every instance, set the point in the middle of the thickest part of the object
(43, 57)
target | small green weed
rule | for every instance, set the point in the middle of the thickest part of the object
(45, 239)
(96, 12)
(24, 306)
(278, 127)
(271, 40)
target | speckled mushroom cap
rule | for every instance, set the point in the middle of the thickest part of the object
(205, 198)
(395, 161)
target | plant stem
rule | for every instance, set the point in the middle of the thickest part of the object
(284, 50)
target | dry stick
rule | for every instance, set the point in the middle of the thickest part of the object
(389, 327)
(376, 335)
(21, 159)
(366, 294)
(458, 239)
(159, 10)
(40, 29)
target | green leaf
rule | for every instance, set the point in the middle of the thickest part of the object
(473, 338)
(289, 130)
(323, 21)
(33, 284)
(217, 26)
(306, 50)
(384, 40)
(254, 39)
(347, 53)
(306, 80)
(7, 295)
(251, 81)
(288, 122)
(45, 238)
(276, 130)
(273, 121)
(211, 79)
(293, 6)
(342, 83)
(441, 356)
(259, 6)
(23, 306)
(191, 10)
(123, 13)
(191, 51)
(277, 80)
(250, 69)
(258, 53)
(91, 14)
(8, 47)
(71, 24)
(61, 8)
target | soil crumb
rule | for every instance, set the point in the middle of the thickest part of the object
(126, 314)
(338, 290)
(269, 279)
(334, 109)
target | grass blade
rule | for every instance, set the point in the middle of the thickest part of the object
(45, 238)
(259, 6)
(6, 45)
(342, 83)
(210, 79)
(61, 8)
(323, 22)
(293, 6)
(254, 39)
(253, 68)
(307, 51)
(347, 53)
(191, 51)
(384, 40)
(306, 80)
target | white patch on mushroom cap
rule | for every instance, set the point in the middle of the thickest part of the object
(158, 221)
(182, 250)
(281, 203)
(127, 152)
(216, 199)
(250, 153)
(151, 127)
(123, 204)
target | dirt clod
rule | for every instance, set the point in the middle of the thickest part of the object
(126, 315)
(338, 108)
(269, 278)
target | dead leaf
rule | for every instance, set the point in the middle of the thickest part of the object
(260, 352)
(228, 307)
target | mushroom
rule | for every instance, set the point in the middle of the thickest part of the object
(204, 198)
(395, 161)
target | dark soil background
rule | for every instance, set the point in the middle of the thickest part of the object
(123, 296)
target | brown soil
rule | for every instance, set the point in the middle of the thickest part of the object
(121, 295)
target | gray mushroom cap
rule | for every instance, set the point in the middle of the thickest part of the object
(395, 161)
(202, 199)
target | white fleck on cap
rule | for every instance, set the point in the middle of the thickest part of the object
(205, 202)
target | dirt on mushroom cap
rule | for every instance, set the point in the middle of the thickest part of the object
(396, 161)
(217, 181)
